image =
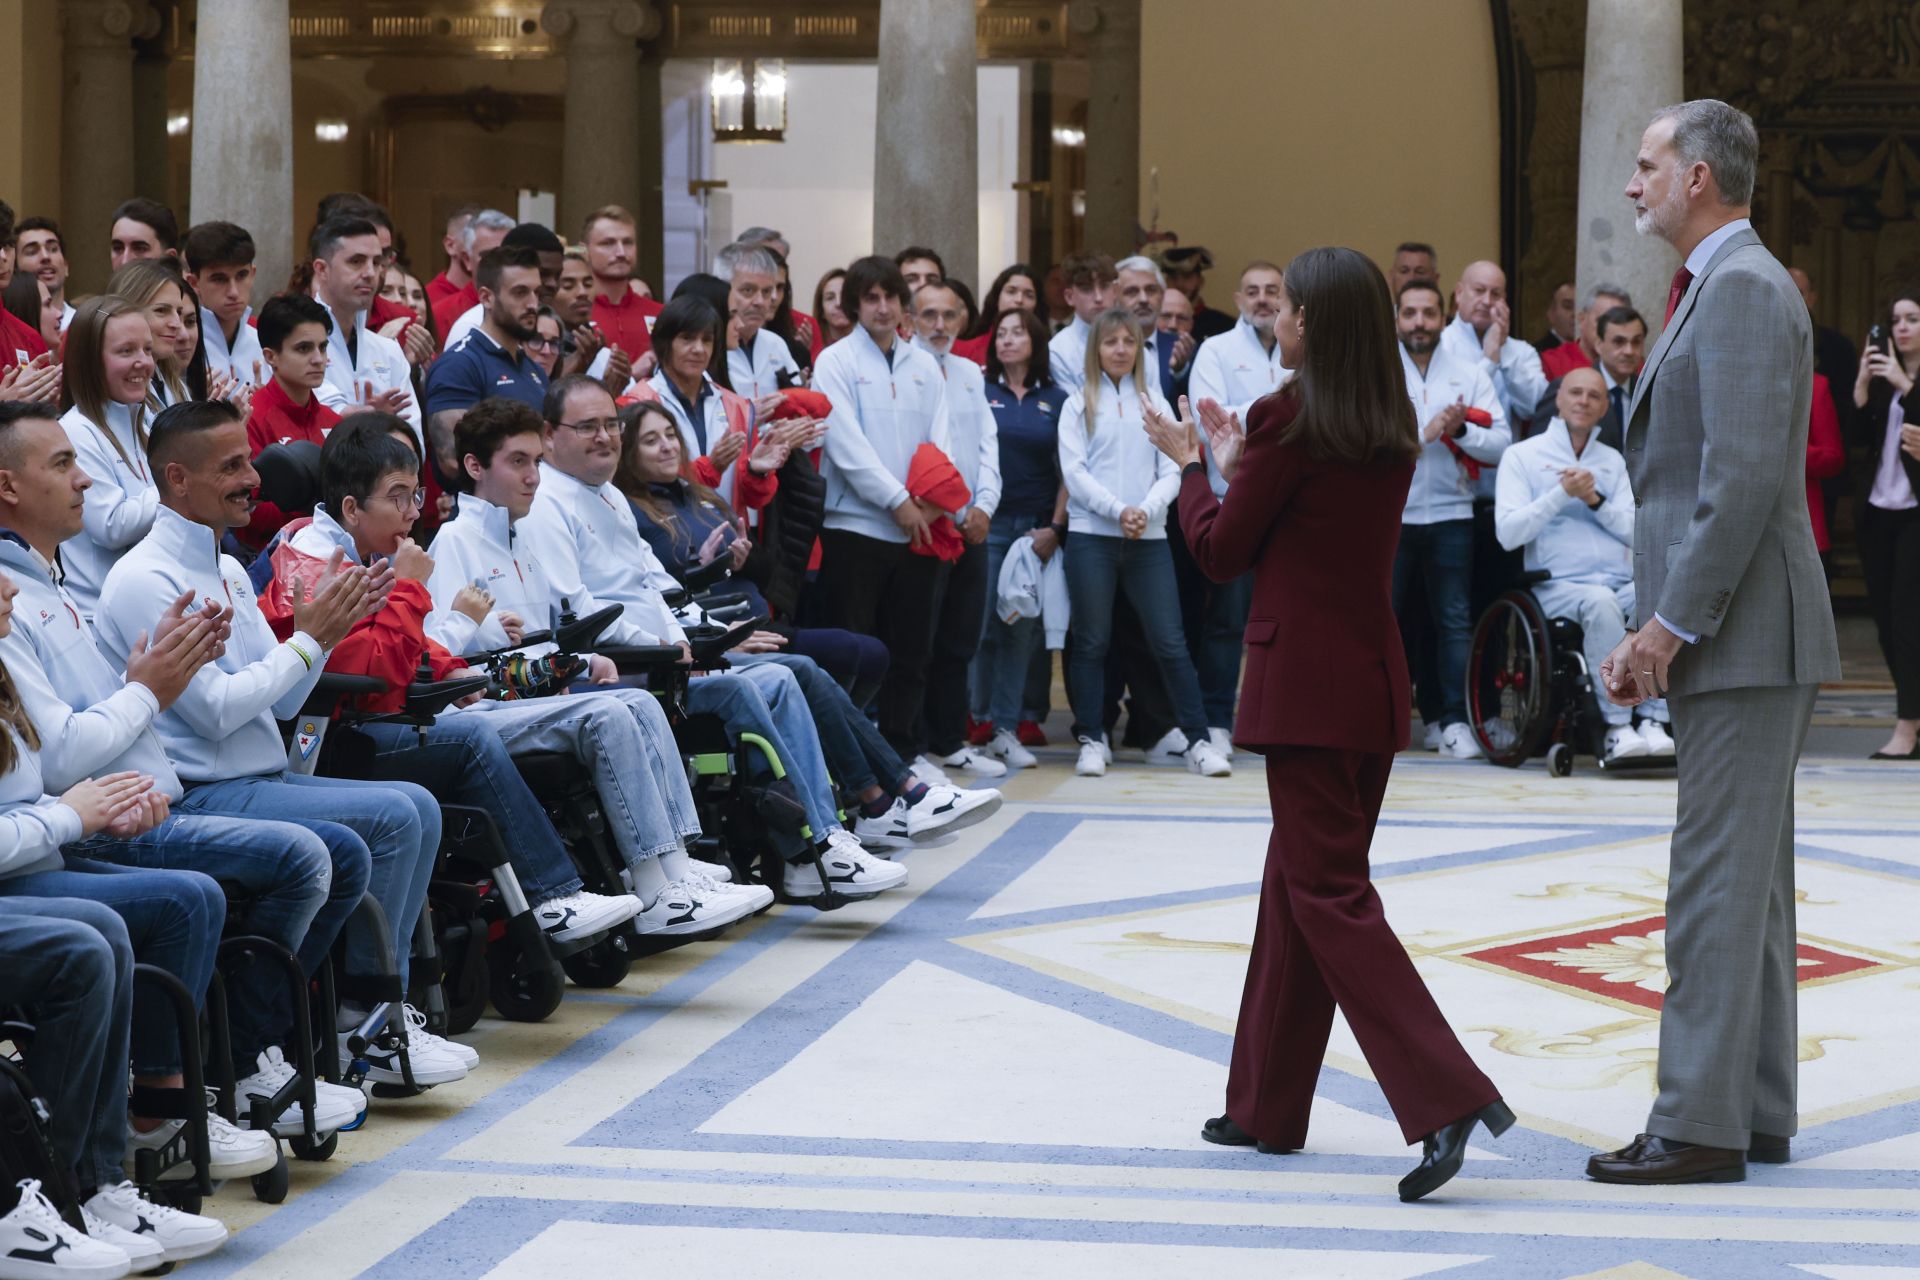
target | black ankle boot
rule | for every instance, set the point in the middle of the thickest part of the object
(1223, 1130)
(1446, 1148)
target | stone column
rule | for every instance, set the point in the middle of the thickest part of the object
(926, 158)
(604, 139)
(96, 128)
(1112, 28)
(152, 170)
(243, 127)
(1633, 69)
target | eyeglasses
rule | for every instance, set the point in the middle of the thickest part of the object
(404, 501)
(591, 427)
(539, 343)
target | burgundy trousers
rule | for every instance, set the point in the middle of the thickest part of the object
(1322, 939)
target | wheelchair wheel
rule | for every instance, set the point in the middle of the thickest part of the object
(271, 1187)
(521, 990)
(321, 1149)
(1510, 680)
(1560, 760)
(602, 965)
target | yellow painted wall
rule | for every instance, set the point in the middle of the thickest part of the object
(1278, 125)
(30, 103)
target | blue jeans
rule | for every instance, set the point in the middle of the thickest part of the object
(1223, 639)
(1439, 558)
(462, 760)
(859, 663)
(395, 824)
(69, 961)
(854, 748)
(623, 737)
(1005, 657)
(286, 874)
(1098, 567)
(173, 920)
(766, 700)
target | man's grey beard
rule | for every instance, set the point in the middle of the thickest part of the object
(1418, 344)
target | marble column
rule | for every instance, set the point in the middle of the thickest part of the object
(1112, 28)
(601, 158)
(96, 128)
(926, 159)
(243, 127)
(1632, 70)
(152, 169)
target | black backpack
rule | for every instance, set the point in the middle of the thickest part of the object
(26, 1149)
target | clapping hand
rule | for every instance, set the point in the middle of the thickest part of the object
(1225, 433)
(38, 379)
(740, 548)
(1444, 423)
(100, 802)
(1578, 482)
(726, 450)
(149, 811)
(1178, 440)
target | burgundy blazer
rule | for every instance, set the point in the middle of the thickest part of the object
(1325, 667)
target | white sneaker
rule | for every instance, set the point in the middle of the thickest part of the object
(1432, 739)
(951, 809)
(888, 831)
(1622, 743)
(1206, 760)
(1654, 734)
(756, 895)
(232, 1152)
(1171, 749)
(1006, 748)
(431, 1065)
(1500, 734)
(930, 773)
(849, 870)
(713, 871)
(581, 913)
(175, 1235)
(335, 1106)
(420, 1039)
(1458, 742)
(1094, 758)
(37, 1244)
(680, 910)
(1222, 740)
(977, 763)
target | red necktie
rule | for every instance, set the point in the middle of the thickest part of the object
(1681, 279)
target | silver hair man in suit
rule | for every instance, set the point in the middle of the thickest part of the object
(1736, 629)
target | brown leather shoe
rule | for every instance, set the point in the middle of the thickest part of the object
(1652, 1161)
(1764, 1148)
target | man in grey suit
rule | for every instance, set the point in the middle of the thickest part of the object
(1736, 629)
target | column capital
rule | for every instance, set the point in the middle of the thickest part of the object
(108, 23)
(603, 20)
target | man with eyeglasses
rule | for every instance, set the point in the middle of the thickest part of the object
(761, 366)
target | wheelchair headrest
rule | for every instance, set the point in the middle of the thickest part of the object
(290, 475)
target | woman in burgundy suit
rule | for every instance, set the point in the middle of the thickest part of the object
(1319, 477)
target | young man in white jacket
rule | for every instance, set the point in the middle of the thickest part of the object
(937, 320)
(92, 723)
(366, 369)
(1566, 499)
(1436, 529)
(621, 733)
(221, 733)
(888, 399)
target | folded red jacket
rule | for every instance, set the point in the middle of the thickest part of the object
(932, 478)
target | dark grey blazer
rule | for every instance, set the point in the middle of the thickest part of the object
(1716, 449)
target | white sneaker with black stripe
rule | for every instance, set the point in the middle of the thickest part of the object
(944, 809)
(1006, 748)
(930, 773)
(889, 830)
(178, 1235)
(844, 868)
(713, 871)
(36, 1243)
(578, 914)
(335, 1106)
(681, 910)
(978, 763)
(757, 895)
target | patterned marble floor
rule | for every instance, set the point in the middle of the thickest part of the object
(1003, 1069)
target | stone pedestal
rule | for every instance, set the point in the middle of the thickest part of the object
(1112, 28)
(1632, 70)
(96, 128)
(603, 154)
(926, 162)
(243, 129)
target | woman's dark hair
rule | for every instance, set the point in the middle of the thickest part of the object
(22, 298)
(1879, 390)
(967, 304)
(197, 375)
(990, 308)
(356, 454)
(691, 313)
(1039, 364)
(783, 324)
(1353, 393)
(627, 477)
(13, 715)
(820, 299)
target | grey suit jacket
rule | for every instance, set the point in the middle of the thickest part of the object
(1717, 450)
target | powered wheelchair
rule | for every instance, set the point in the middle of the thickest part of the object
(1529, 692)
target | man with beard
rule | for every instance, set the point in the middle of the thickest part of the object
(1234, 369)
(1140, 287)
(552, 256)
(762, 364)
(489, 360)
(365, 369)
(1436, 529)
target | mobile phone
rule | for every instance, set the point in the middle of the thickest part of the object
(1877, 340)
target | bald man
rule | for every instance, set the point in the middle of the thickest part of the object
(1564, 497)
(1482, 334)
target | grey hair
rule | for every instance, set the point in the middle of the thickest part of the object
(752, 258)
(1140, 262)
(1708, 131)
(1597, 291)
(758, 235)
(486, 219)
